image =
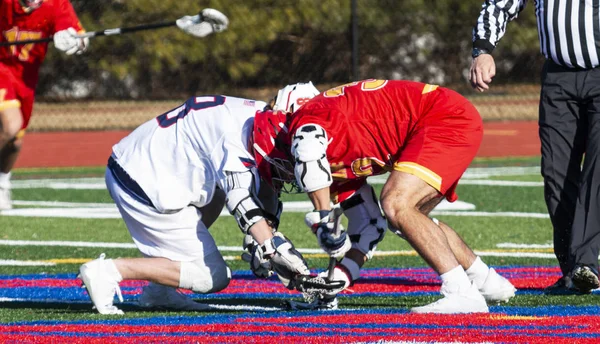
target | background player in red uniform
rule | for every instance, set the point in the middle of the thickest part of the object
(22, 20)
(425, 136)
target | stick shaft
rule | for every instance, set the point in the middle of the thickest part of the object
(330, 268)
(337, 214)
(106, 32)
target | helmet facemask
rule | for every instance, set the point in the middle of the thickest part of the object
(30, 5)
(273, 152)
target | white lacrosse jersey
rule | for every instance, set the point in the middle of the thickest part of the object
(179, 157)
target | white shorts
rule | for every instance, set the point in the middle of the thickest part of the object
(179, 236)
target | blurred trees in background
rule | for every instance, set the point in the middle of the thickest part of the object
(276, 42)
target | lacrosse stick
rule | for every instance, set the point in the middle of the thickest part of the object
(337, 217)
(206, 22)
(313, 287)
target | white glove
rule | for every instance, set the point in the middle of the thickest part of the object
(285, 260)
(260, 266)
(208, 21)
(218, 20)
(69, 42)
(329, 231)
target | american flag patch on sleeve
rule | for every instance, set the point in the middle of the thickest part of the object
(249, 102)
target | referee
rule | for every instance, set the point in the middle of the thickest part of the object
(569, 123)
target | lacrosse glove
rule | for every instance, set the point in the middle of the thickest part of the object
(278, 255)
(332, 237)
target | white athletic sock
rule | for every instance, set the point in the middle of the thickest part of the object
(455, 280)
(5, 180)
(478, 272)
(112, 270)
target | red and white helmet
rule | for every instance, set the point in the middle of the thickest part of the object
(30, 5)
(290, 98)
(271, 143)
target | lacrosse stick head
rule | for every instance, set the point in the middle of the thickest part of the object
(201, 25)
(271, 145)
(291, 97)
(30, 5)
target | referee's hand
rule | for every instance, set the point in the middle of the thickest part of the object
(483, 69)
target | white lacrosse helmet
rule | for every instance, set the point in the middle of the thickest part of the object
(290, 98)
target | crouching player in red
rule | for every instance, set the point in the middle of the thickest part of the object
(22, 20)
(425, 136)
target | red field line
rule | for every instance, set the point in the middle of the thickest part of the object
(92, 148)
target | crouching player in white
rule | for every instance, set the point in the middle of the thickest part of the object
(169, 179)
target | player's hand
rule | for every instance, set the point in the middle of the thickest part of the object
(483, 69)
(331, 236)
(70, 42)
(285, 260)
(260, 266)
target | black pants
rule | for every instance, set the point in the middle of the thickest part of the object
(569, 126)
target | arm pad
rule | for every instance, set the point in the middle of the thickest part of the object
(242, 201)
(309, 147)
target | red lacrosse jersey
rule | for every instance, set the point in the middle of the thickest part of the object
(23, 61)
(376, 126)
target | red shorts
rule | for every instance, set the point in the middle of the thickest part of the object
(14, 93)
(443, 144)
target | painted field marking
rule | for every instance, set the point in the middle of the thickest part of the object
(98, 183)
(10, 262)
(109, 211)
(513, 245)
(528, 252)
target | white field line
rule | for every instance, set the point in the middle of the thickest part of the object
(109, 211)
(61, 184)
(58, 204)
(491, 214)
(9, 262)
(521, 246)
(472, 176)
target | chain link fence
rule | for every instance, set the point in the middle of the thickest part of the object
(124, 80)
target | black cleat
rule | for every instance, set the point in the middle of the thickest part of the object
(585, 278)
(564, 286)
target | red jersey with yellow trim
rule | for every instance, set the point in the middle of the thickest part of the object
(15, 25)
(373, 125)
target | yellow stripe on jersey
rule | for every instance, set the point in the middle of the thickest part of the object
(425, 174)
(10, 104)
(429, 88)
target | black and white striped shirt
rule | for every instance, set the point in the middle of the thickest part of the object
(569, 30)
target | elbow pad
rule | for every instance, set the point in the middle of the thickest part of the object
(309, 147)
(242, 200)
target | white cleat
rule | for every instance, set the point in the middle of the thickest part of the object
(100, 286)
(159, 296)
(468, 301)
(5, 199)
(497, 288)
